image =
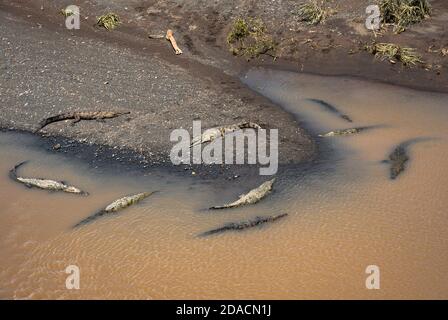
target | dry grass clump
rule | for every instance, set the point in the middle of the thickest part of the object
(402, 13)
(109, 21)
(393, 52)
(248, 37)
(444, 52)
(314, 12)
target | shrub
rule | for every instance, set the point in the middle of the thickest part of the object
(248, 37)
(402, 13)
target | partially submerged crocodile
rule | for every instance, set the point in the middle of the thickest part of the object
(82, 115)
(331, 108)
(44, 184)
(239, 226)
(251, 197)
(211, 134)
(397, 161)
(346, 132)
(399, 157)
(116, 206)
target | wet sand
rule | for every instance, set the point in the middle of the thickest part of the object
(331, 48)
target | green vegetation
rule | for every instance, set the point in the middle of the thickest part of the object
(402, 13)
(240, 30)
(248, 37)
(314, 12)
(67, 13)
(109, 21)
(392, 52)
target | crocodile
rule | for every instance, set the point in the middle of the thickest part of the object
(251, 197)
(346, 132)
(239, 226)
(331, 108)
(81, 115)
(399, 156)
(211, 134)
(44, 184)
(116, 206)
(397, 161)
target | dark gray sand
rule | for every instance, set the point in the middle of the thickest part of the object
(47, 69)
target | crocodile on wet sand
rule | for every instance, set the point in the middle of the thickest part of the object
(82, 115)
(211, 134)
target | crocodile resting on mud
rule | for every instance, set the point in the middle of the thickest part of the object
(239, 226)
(44, 184)
(78, 116)
(211, 134)
(116, 206)
(251, 197)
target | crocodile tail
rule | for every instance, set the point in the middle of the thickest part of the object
(150, 193)
(234, 204)
(13, 171)
(218, 207)
(279, 216)
(227, 206)
(45, 122)
(226, 227)
(89, 219)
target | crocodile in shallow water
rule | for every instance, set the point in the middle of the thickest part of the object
(239, 226)
(251, 197)
(44, 184)
(399, 157)
(331, 108)
(116, 206)
(346, 132)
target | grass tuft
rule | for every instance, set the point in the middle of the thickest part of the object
(314, 12)
(444, 52)
(392, 52)
(402, 13)
(66, 12)
(240, 30)
(109, 21)
(248, 37)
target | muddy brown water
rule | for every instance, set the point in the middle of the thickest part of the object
(343, 217)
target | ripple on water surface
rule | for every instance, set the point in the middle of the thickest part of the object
(344, 213)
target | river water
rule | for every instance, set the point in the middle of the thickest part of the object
(345, 215)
